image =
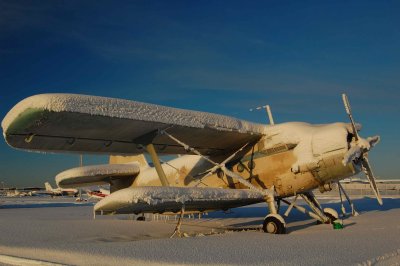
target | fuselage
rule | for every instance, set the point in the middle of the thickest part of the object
(293, 157)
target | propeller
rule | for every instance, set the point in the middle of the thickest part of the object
(358, 152)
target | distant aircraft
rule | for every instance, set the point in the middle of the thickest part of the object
(225, 162)
(17, 193)
(20, 192)
(98, 194)
(60, 191)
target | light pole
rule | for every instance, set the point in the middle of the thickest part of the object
(269, 113)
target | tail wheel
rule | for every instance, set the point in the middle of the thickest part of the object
(331, 214)
(273, 225)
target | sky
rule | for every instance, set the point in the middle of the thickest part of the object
(216, 56)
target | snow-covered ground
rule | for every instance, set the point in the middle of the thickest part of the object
(61, 231)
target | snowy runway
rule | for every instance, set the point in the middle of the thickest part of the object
(60, 231)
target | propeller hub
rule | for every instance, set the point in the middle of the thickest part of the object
(363, 144)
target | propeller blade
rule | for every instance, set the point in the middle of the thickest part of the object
(373, 140)
(368, 172)
(348, 111)
(360, 149)
(352, 154)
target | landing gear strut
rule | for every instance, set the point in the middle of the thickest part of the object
(273, 222)
(326, 215)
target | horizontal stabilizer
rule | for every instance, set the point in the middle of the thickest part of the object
(171, 199)
(96, 174)
(118, 159)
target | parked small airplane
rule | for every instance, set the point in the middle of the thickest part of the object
(21, 192)
(59, 191)
(98, 194)
(225, 162)
(18, 193)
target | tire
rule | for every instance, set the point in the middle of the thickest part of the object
(272, 225)
(331, 218)
(331, 214)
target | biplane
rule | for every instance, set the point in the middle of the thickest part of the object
(222, 162)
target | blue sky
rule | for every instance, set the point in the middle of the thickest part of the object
(216, 56)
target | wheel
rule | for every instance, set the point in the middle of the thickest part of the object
(141, 218)
(273, 225)
(331, 214)
(331, 218)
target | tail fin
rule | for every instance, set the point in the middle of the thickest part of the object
(48, 186)
(114, 159)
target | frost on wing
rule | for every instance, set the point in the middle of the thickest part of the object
(120, 108)
(173, 195)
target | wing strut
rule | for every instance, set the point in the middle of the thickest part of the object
(156, 161)
(266, 192)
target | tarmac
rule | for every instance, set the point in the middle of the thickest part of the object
(52, 231)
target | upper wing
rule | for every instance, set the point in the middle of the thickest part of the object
(81, 123)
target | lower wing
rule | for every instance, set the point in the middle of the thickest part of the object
(172, 199)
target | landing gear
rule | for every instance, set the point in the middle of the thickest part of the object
(323, 216)
(274, 224)
(326, 215)
(331, 214)
(353, 210)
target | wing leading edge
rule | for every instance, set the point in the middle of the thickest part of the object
(92, 124)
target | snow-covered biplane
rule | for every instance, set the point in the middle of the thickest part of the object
(224, 162)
